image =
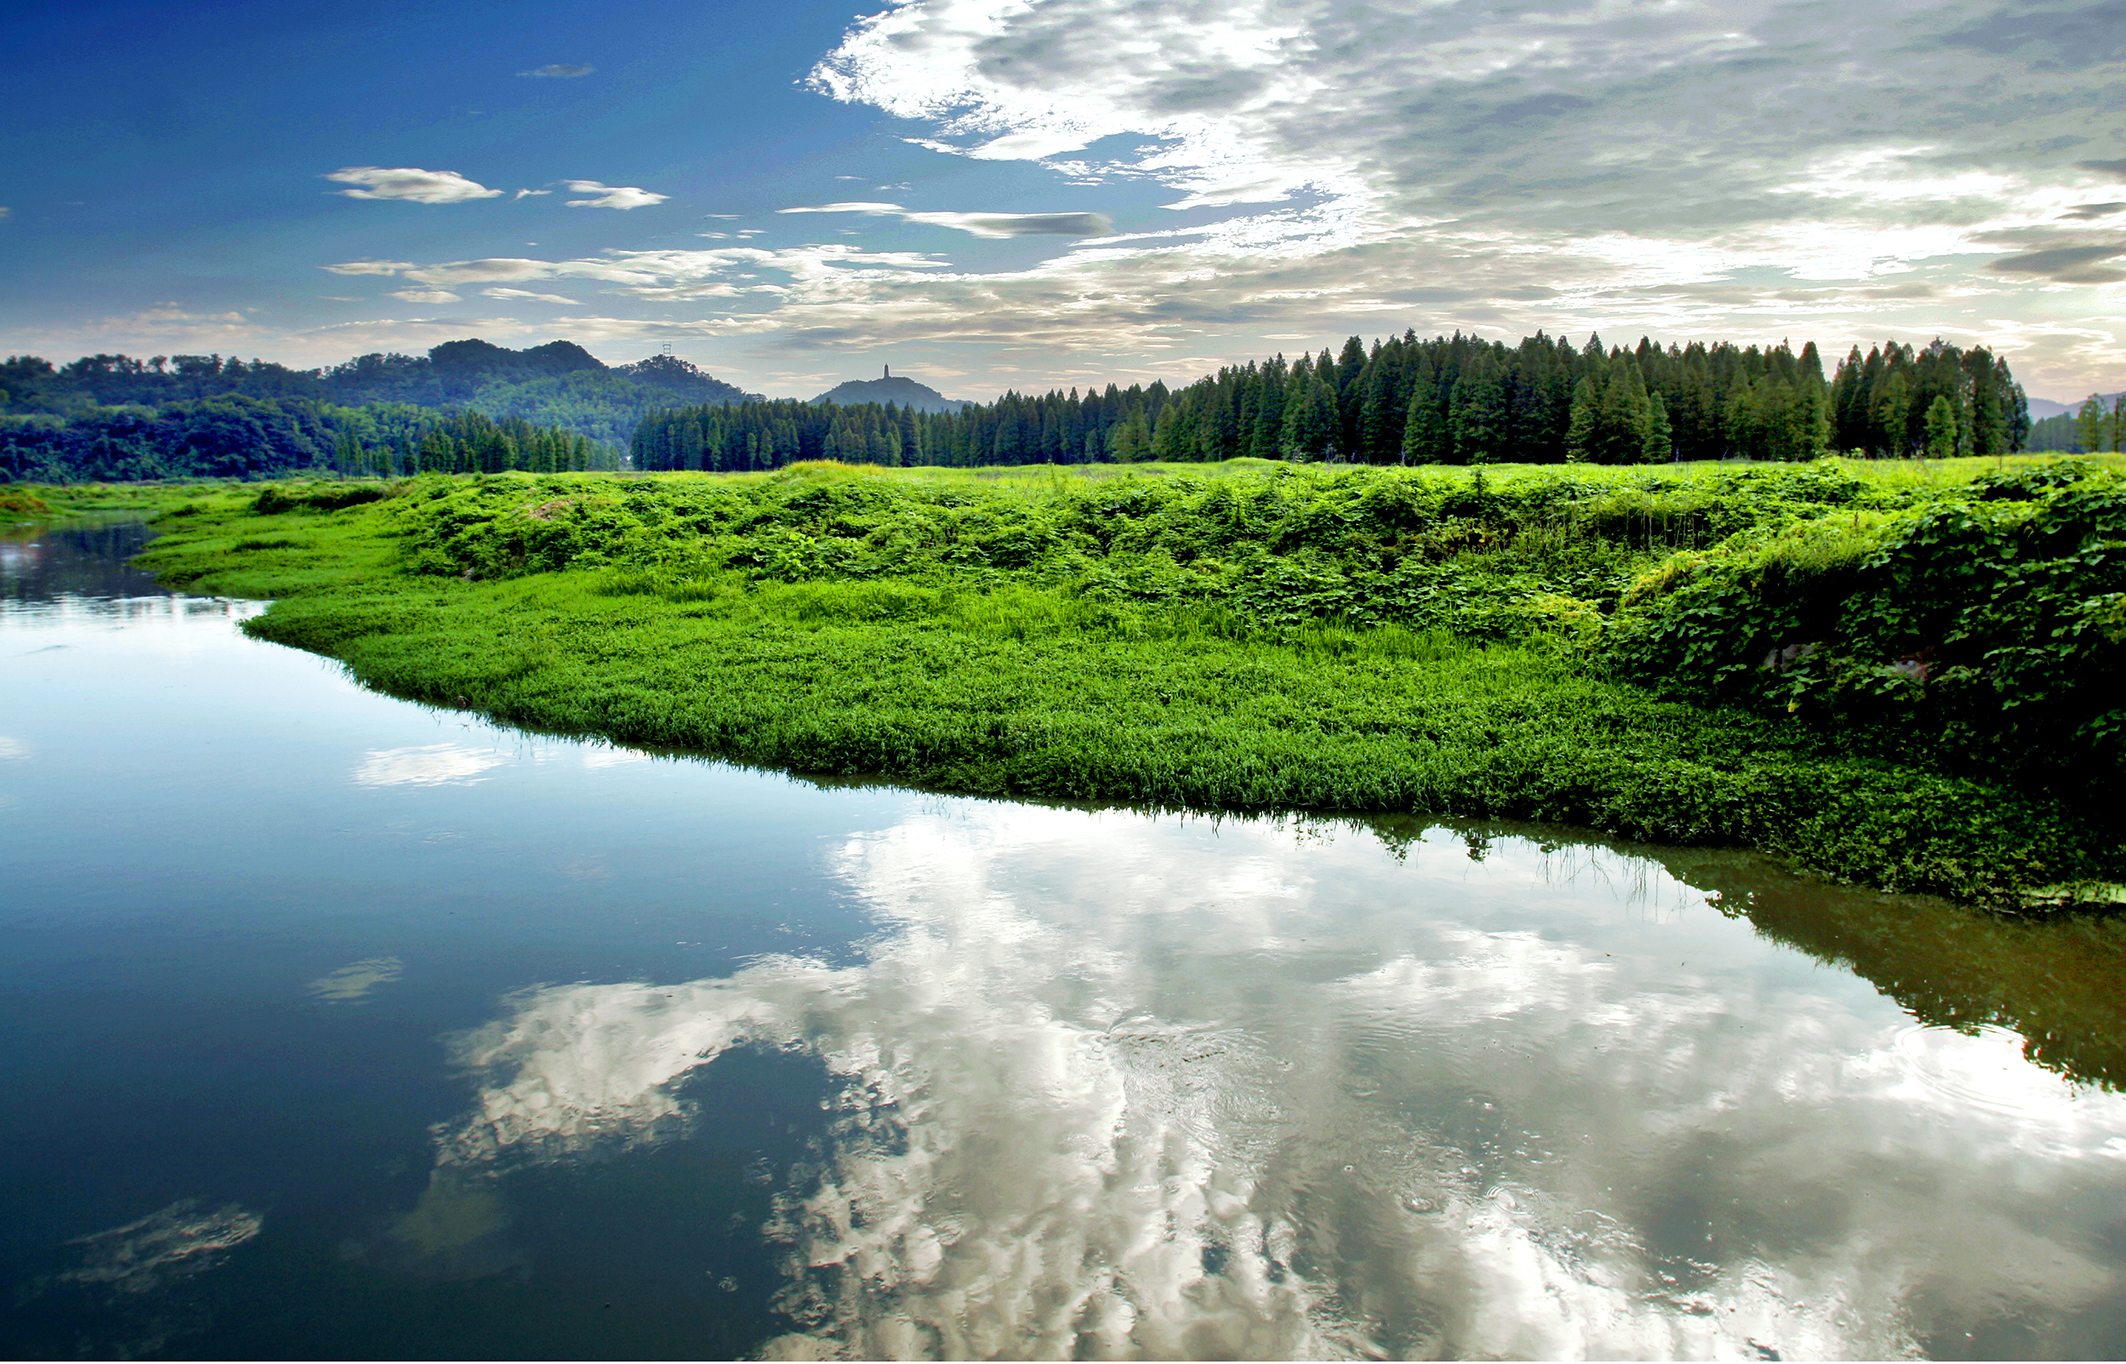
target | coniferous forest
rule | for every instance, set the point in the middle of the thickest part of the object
(1405, 400)
(469, 406)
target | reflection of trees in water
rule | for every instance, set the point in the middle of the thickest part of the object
(2054, 978)
(88, 560)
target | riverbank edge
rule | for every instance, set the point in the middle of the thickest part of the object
(547, 652)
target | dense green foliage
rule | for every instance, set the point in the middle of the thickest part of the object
(112, 417)
(1447, 400)
(239, 437)
(2098, 425)
(1249, 636)
(1991, 624)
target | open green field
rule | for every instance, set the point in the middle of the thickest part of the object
(1905, 675)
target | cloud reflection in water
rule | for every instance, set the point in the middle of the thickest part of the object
(356, 979)
(427, 765)
(1117, 1085)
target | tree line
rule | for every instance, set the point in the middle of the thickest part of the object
(558, 385)
(1409, 400)
(2098, 425)
(233, 436)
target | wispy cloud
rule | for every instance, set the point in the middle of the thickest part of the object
(983, 224)
(369, 267)
(426, 295)
(611, 196)
(410, 184)
(2084, 264)
(529, 193)
(1684, 168)
(531, 297)
(559, 71)
(1671, 167)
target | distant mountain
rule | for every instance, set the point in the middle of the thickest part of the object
(2041, 408)
(897, 389)
(559, 384)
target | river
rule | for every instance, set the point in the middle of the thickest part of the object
(339, 1026)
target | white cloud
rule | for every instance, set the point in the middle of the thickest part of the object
(611, 196)
(821, 271)
(410, 184)
(530, 193)
(615, 267)
(559, 71)
(475, 271)
(369, 267)
(1708, 168)
(1021, 224)
(1452, 162)
(6, 213)
(171, 327)
(532, 297)
(426, 295)
(853, 206)
(983, 224)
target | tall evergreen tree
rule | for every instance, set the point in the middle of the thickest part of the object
(1426, 439)
(1942, 435)
(1657, 446)
(2093, 425)
(1481, 419)
(1310, 421)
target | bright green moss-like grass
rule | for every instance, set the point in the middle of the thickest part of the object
(1240, 638)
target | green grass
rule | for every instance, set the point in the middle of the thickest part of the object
(1240, 638)
(77, 499)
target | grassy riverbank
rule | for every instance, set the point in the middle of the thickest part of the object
(1584, 646)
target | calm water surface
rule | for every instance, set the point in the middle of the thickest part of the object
(338, 1026)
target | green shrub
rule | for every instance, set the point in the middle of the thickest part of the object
(1991, 623)
(287, 497)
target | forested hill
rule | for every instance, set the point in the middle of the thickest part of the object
(470, 373)
(899, 390)
(114, 416)
(1443, 400)
(2097, 423)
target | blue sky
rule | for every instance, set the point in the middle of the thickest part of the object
(1030, 193)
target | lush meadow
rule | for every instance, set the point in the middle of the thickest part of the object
(1901, 674)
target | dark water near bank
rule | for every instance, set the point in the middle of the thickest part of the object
(340, 1027)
